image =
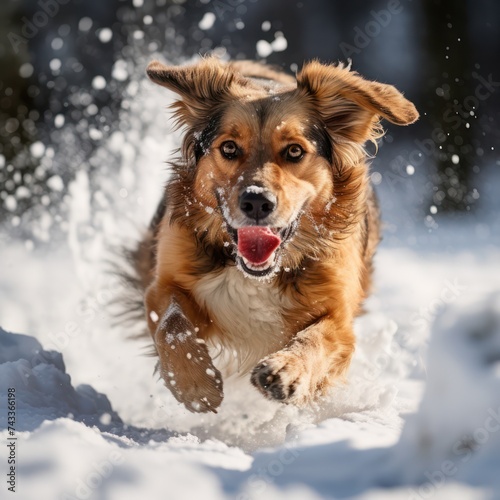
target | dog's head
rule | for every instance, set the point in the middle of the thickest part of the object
(274, 165)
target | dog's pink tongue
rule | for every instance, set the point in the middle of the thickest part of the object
(257, 243)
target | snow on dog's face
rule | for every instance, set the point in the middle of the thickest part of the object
(268, 159)
(266, 166)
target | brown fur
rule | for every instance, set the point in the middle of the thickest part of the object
(197, 300)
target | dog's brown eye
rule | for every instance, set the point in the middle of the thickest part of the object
(294, 152)
(229, 150)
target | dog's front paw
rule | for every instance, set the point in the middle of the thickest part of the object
(199, 394)
(191, 377)
(283, 377)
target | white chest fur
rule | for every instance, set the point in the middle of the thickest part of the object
(247, 314)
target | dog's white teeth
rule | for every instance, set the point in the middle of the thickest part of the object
(261, 267)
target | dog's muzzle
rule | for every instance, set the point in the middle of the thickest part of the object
(257, 245)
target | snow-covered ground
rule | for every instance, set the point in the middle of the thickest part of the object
(130, 439)
(418, 418)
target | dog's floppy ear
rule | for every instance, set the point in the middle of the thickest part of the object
(201, 86)
(351, 106)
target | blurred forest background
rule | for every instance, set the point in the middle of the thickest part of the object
(67, 65)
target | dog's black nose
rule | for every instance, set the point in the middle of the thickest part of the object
(256, 205)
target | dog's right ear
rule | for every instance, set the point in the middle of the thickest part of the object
(202, 87)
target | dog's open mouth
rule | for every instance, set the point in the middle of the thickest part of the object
(258, 247)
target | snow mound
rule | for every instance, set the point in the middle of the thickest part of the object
(43, 388)
(456, 432)
(72, 445)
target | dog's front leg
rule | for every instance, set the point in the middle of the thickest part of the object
(308, 365)
(184, 362)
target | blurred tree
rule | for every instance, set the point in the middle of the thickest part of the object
(453, 104)
(18, 114)
(48, 91)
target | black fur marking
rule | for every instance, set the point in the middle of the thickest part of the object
(203, 142)
(158, 216)
(210, 257)
(318, 134)
(262, 108)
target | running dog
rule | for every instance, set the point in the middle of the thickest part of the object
(260, 255)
